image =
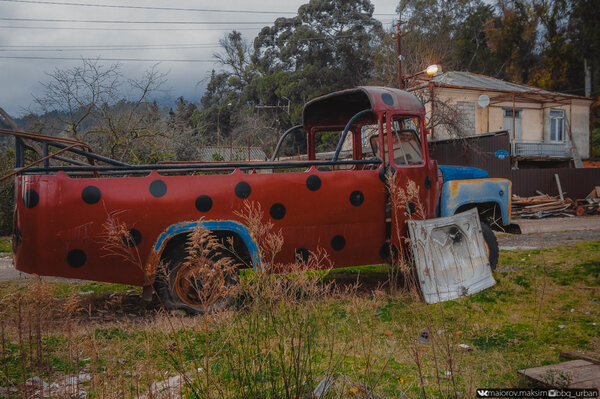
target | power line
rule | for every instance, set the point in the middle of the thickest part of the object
(87, 21)
(150, 8)
(115, 29)
(102, 59)
(108, 45)
(165, 8)
(92, 48)
(75, 47)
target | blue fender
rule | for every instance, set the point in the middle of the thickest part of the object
(456, 193)
(213, 225)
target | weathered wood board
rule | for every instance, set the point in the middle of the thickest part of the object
(573, 374)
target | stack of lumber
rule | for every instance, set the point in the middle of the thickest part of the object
(540, 206)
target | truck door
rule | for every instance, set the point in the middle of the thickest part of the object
(410, 174)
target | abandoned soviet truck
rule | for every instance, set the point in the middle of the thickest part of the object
(337, 204)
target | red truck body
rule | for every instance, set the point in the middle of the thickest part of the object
(60, 220)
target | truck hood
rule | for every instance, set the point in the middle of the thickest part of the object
(461, 173)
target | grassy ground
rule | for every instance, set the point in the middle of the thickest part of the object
(5, 246)
(291, 335)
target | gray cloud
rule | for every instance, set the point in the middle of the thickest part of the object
(20, 78)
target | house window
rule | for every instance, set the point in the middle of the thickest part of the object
(510, 122)
(557, 125)
(466, 113)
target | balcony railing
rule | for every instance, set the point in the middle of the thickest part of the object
(538, 149)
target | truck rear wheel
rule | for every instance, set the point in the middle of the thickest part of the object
(180, 284)
(491, 245)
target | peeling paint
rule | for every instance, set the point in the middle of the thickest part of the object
(456, 193)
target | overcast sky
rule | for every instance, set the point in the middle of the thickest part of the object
(32, 36)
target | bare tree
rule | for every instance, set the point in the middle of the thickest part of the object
(88, 102)
(129, 124)
(255, 130)
(75, 94)
(442, 115)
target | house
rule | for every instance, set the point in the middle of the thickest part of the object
(544, 127)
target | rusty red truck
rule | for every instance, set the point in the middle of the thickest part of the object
(339, 204)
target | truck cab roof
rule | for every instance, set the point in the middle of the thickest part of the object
(335, 109)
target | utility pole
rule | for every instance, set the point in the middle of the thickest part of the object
(588, 77)
(399, 50)
(277, 120)
(276, 108)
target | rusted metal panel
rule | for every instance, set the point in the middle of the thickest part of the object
(450, 256)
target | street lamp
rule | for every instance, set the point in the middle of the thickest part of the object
(431, 70)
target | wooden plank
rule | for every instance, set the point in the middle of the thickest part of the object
(579, 373)
(591, 357)
(544, 204)
(559, 187)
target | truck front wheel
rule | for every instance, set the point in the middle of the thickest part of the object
(491, 245)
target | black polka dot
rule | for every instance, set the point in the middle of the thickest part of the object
(386, 254)
(158, 188)
(410, 208)
(204, 203)
(357, 198)
(17, 237)
(301, 255)
(338, 243)
(133, 238)
(91, 194)
(76, 258)
(277, 211)
(387, 99)
(242, 189)
(313, 182)
(31, 198)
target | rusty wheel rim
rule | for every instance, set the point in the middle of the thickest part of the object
(187, 286)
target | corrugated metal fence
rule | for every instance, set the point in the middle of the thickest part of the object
(480, 152)
(477, 152)
(576, 183)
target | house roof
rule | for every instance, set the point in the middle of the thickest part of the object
(468, 80)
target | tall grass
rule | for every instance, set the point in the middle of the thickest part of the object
(288, 332)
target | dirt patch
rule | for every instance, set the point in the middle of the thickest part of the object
(551, 232)
(545, 240)
(583, 223)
